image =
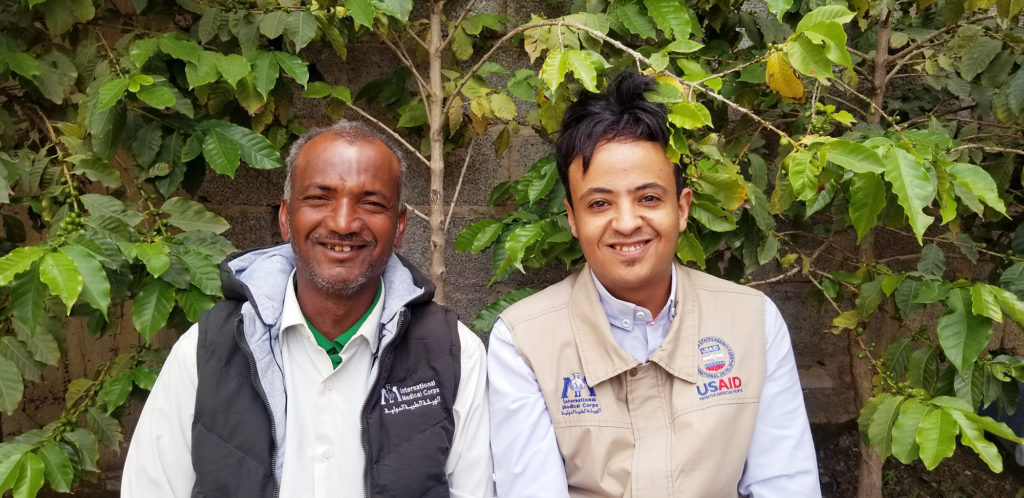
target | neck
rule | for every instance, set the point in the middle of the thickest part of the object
(332, 314)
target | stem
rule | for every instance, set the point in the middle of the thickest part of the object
(403, 58)
(458, 186)
(435, 117)
(458, 22)
(389, 131)
(880, 78)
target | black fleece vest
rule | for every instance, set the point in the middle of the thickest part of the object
(407, 417)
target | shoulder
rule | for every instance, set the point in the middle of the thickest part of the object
(553, 299)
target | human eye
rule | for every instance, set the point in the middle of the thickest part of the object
(650, 199)
(597, 204)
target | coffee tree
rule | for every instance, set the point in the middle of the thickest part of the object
(809, 135)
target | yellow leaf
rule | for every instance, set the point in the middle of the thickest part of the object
(782, 79)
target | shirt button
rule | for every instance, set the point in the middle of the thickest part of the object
(328, 454)
(626, 323)
(633, 372)
(329, 385)
(640, 314)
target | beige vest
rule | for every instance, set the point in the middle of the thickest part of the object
(679, 425)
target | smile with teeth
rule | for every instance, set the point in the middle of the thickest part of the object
(340, 248)
(630, 247)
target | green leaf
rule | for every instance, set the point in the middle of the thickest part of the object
(553, 70)
(180, 47)
(978, 56)
(478, 236)
(581, 67)
(904, 432)
(233, 67)
(110, 93)
(1014, 92)
(923, 368)
(932, 262)
(833, 37)
(144, 377)
(462, 45)
(413, 115)
(141, 50)
(151, 306)
(255, 149)
(61, 275)
(294, 67)
(502, 106)
(99, 205)
(985, 303)
(23, 64)
(689, 115)
(867, 199)
(107, 428)
(205, 71)
(779, 6)
(1010, 304)
(854, 156)
(156, 96)
(221, 153)
(85, 443)
(912, 186)
(59, 472)
(202, 272)
(808, 58)
(272, 23)
(979, 183)
(671, 16)
(835, 13)
(154, 256)
(17, 261)
(115, 391)
(191, 215)
(11, 386)
(1012, 279)
(896, 357)
(98, 170)
(728, 189)
(317, 90)
(690, 249)
(301, 27)
(712, 217)
(31, 479)
(264, 71)
(936, 437)
(193, 302)
(16, 351)
(10, 457)
(962, 334)
(361, 11)
(880, 429)
(973, 436)
(803, 174)
(484, 320)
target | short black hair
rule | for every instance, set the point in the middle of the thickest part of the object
(620, 114)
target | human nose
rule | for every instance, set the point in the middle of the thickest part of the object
(627, 219)
(345, 218)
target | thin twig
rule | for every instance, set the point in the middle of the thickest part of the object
(727, 71)
(458, 22)
(858, 53)
(790, 273)
(919, 43)
(848, 104)
(409, 65)
(391, 132)
(987, 148)
(921, 119)
(458, 186)
(417, 38)
(900, 63)
(113, 60)
(417, 212)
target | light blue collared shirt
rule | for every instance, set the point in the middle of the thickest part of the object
(636, 329)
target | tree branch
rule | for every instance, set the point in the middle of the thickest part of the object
(417, 38)
(417, 212)
(458, 22)
(919, 43)
(458, 186)
(987, 148)
(402, 57)
(389, 131)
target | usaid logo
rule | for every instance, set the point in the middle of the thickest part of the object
(716, 357)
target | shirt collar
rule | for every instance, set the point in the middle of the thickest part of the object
(291, 316)
(619, 310)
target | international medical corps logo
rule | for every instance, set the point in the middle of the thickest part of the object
(578, 398)
(716, 357)
(397, 399)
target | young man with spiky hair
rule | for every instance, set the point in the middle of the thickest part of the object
(636, 376)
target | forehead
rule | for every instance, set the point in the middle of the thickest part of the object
(364, 159)
(622, 165)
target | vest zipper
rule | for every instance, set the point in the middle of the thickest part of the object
(240, 339)
(364, 411)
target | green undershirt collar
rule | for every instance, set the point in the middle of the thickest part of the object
(333, 348)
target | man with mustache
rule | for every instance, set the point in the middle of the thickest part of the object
(636, 376)
(327, 370)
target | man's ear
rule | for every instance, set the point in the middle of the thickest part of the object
(400, 228)
(685, 198)
(572, 217)
(282, 220)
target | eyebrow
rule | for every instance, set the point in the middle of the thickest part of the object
(640, 188)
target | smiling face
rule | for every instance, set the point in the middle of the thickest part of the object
(628, 219)
(343, 217)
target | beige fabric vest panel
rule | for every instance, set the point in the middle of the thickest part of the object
(677, 426)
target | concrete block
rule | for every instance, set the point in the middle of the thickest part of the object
(250, 187)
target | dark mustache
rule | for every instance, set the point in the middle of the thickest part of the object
(334, 238)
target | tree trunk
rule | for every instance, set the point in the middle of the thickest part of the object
(435, 106)
(869, 483)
